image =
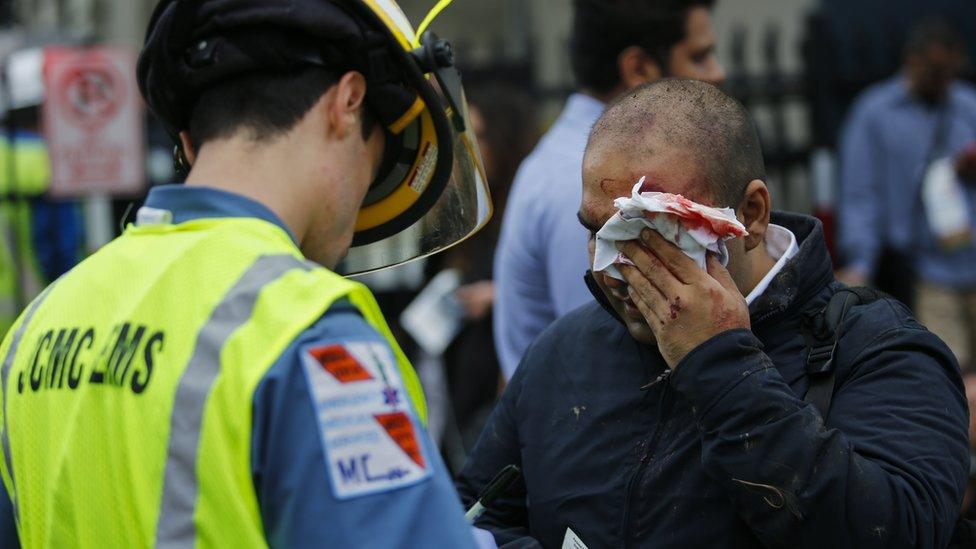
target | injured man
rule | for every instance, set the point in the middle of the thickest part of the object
(673, 410)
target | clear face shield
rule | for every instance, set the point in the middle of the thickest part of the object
(463, 208)
(432, 192)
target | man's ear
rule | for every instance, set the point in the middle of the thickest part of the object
(637, 67)
(188, 151)
(343, 104)
(754, 210)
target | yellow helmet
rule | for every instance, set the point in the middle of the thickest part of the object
(431, 191)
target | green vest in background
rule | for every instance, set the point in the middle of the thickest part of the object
(128, 384)
(20, 277)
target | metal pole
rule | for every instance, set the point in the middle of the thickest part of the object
(98, 221)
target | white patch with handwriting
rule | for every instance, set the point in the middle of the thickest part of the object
(370, 440)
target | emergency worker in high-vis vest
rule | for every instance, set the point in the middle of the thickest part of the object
(210, 378)
(39, 236)
(28, 178)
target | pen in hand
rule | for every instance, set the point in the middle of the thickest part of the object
(498, 485)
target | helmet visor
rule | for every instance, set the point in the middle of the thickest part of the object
(462, 209)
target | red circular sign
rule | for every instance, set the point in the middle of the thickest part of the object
(91, 95)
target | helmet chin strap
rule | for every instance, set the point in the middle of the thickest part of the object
(181, 165)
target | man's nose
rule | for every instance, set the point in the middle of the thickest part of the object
(716, 74)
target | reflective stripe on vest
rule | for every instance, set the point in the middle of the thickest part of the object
(5, 378)
(180, 487)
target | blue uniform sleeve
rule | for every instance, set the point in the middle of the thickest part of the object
(860, 192)
(302, 490)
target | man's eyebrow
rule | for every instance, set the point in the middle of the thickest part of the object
(586, 224)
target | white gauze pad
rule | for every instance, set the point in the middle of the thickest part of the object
(694, 228)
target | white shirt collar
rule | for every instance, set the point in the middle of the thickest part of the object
(781, 244)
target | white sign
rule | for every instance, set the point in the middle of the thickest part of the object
(93, 121)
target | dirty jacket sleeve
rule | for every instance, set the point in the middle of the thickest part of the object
(888, 467)
(507, 518)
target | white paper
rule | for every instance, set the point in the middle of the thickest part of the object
(367, 431)
(572, 541)
(946, 206)
(669, 215)
(434, 317)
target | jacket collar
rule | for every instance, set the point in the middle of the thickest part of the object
(801, 279)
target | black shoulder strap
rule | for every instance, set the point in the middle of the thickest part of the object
(821, 330)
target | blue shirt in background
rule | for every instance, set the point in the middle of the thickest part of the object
(886, 142)
(542, 251)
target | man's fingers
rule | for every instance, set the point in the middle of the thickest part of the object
(652, 267)
(647, 297)
(717, 271)
(684, 268)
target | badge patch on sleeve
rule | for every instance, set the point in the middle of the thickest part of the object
(370, 440)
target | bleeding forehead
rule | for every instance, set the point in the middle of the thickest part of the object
(608, 175)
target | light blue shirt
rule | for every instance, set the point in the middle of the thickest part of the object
(884, 148)
(542, 254)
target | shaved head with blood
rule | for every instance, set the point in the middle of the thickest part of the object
(687, 138)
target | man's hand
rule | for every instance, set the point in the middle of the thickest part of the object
(966, 163)
(683, 305)
(851, 277)
(476, 299)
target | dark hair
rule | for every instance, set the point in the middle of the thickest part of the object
(604, 28)
(933, 31)
(265, 104)
(694, 116)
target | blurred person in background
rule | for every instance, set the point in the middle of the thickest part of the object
(41, 236)
(541, 256)
(502, 117)
(908, 187)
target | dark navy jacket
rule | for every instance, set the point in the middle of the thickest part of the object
(724, 453)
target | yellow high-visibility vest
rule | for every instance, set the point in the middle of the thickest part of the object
(128, 384)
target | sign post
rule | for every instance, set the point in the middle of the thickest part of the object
(95, 128)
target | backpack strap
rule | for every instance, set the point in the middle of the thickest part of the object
(821, 331)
